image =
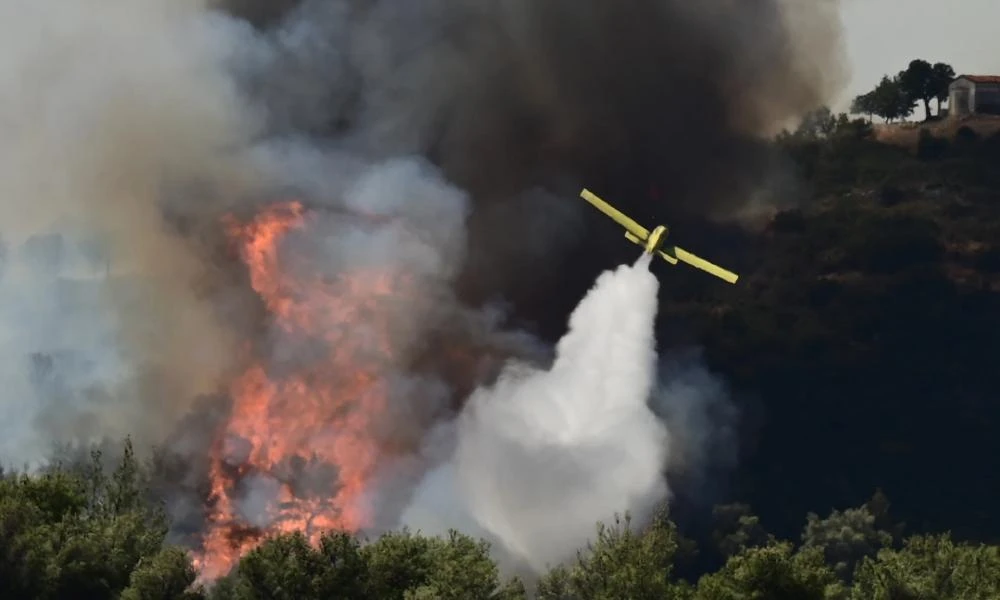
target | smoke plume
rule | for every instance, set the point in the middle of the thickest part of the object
(656, 104)
(103, 107)
(544, 454)
(437, 145)
(506, 96)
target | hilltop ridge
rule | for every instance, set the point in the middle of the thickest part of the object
(868, 332)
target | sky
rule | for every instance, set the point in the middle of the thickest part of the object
(883, 36)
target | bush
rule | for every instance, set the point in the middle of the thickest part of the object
(966, 140)
(931, 147)
(66, 534)
(85, 534)
(893, 244)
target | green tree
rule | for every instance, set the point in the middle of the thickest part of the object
(817, 123)
(287, 567)
(397, 562)
(776, 572)
(917, 83)
(620, 563)
(845, 538)
(890, 101)
(462, 568)
(400, 566)
(941, 77)
(30, 508)
(82, 534)
(737, 529)
(167, 575)
(864, 105)
(930, 567)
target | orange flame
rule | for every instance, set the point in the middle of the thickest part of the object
(319, 414)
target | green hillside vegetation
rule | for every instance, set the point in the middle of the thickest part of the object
(867, 326)
(74, 532)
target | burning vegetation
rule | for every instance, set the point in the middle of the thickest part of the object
(361, 354)
(299, 448)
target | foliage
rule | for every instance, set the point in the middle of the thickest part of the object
(931, 147)
(942, 74)
(918, 82)
(845, 538)
(894, 97)
(824, 148)
(397, 565)
(452, 568)
(776, 572)
(891, 100)
(930, 567)
(621, 563)
(864, 104)
(738, 529)
(922, 81)
(818, 123)
(82, 533)
(287, 567)
(167, 575)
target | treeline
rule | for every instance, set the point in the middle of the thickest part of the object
(896, 97)
(81, 532)
(830, 151)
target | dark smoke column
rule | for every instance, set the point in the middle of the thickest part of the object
(658, 105)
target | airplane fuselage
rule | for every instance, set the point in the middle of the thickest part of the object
(656, 239)
(653, 242)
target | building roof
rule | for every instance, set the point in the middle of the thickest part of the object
(981, 78)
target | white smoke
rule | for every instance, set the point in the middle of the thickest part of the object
(102, 106)
(543, 455)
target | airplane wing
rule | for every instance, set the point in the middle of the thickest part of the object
(674, 254)
(631, 226)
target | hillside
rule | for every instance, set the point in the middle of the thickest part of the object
(865, 335)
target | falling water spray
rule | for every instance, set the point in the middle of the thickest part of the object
(544, 454)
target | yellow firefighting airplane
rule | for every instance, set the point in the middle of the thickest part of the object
(652, 242)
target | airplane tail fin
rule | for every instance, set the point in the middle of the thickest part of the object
(634, 238)
(667, 257)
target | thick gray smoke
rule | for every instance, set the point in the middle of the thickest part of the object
(545, 453)
(509, 95)
(432, 137)
(103, 106)
(519, 96)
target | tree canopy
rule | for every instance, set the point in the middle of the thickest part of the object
(84, 533)
(895, 97)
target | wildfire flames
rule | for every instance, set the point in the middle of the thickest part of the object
(298, 450)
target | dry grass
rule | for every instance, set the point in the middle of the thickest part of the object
(907, 134)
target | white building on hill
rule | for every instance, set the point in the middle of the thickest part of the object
(974, 94)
